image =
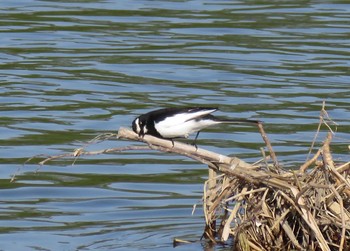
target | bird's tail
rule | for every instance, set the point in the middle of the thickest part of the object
(239, 121)
(234, 121)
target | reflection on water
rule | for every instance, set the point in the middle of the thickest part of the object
(72, 70)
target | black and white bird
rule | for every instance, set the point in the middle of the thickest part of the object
(171, 123)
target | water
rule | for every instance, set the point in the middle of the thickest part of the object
(71, 70)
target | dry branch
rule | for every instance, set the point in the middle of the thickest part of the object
(184, 149)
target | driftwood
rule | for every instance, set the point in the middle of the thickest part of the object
(262, 206)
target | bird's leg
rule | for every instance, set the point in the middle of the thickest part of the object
(194, 141)
(172, 141)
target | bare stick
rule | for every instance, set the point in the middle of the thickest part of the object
(317, 131)
(268, 144)
(304, 166)
(183, 149)
(327, 157)
(323, 117)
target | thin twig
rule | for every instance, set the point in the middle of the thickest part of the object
(269, 146)
(324, 117)
(318, 130)
(13, 178)
(75, 154)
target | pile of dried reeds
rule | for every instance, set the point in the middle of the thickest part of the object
(264, 207)
(267, 209)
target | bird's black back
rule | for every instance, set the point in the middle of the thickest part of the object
(161, 114)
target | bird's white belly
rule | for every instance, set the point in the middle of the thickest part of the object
(182, 130)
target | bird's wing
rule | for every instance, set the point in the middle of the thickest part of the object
(196, 113)
(185, 115)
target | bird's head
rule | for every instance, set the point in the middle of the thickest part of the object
(139, 126)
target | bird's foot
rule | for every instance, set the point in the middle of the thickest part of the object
(195, 145)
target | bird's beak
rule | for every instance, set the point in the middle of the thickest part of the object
(143, 131)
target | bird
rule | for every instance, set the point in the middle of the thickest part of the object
(179, 122)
